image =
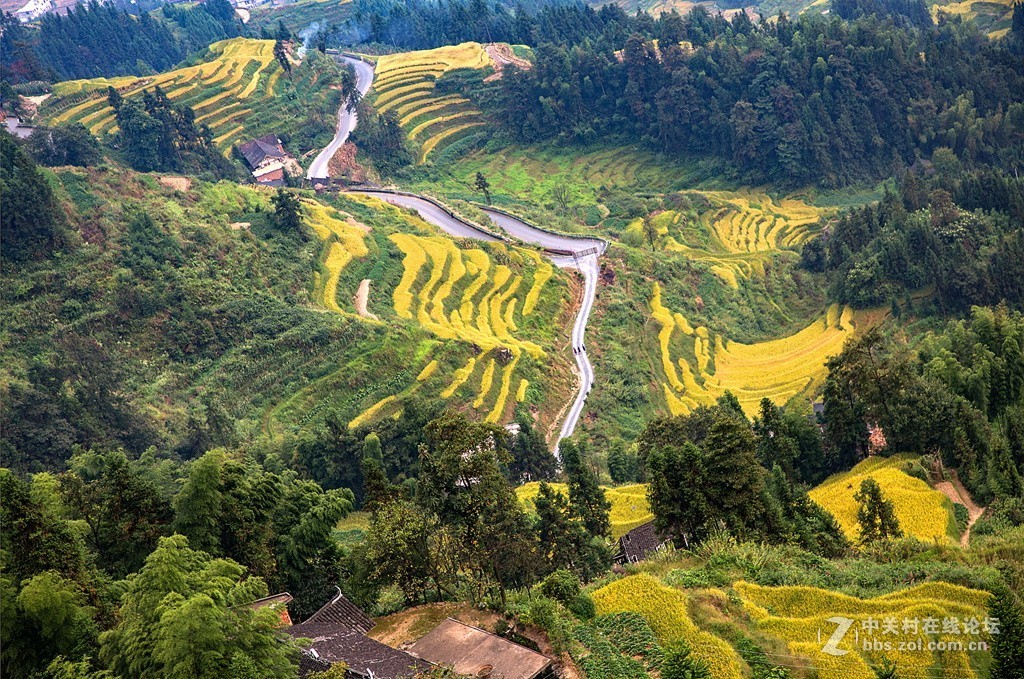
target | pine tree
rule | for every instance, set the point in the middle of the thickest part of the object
(586, 497)
(875, 513)
(483, 186)
(287, 211)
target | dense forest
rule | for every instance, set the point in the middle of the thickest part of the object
(94, 40)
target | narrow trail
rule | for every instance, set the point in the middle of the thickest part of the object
(361, 297)
(565, 251)
(955, 491)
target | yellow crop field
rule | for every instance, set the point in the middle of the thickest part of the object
(459, 378)
(521, 391)
(429, 370)
(485, 384)
(777, 369)
(239, 68)
(629, 503)
(664, 609)
(744, 226)
(923, 512)
(405, 83)
(344, 240)
(934, 611)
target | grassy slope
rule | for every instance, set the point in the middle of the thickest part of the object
(251, 334)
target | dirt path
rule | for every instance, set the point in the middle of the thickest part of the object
(362, 294)
(956, 492)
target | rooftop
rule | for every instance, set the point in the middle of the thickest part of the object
(471, 651)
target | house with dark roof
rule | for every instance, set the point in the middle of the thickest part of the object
(640, 543)
(268, 161)
(337, 634)
(471, 651)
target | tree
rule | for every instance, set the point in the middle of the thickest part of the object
(531, 459)
(461, 481)
(586, 497)
(1008, 645)
(623, 464)
(287, 211)
(199, 504)
(650, 230)
(31, 223)
(734, 478)
(124, 513)
(281, 54)
(564, 542)
(183, 616)
(378, 490)
(875, 513)
(774, 446)
(70, 144)
(408, 546)
(483, 186)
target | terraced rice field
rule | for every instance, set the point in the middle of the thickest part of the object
(699, 368)
(933, 612)
(464, 294)
(240, 75)
(404, 83)
(343, 240)
(665, 610)
(746, 226)
(923, 512)
(629, 504)
(992, 16)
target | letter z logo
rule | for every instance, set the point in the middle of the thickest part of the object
(831, 646)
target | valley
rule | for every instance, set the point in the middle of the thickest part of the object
(408, 339)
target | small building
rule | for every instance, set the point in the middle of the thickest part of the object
(32, 10)
(278, 602)
(470, 651)
(337, 633)
(268, 161)
(640, 543)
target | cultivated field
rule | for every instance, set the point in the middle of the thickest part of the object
(464, 294)
(800, 615)
(665, 610)
(698, 368)
(923, 512)
(629, 504)
(404, 83)
(743, 227)
(222, 91)
(343, 240)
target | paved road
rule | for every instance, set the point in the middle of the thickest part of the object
(587, 265)
(434, 214)
(346, 120)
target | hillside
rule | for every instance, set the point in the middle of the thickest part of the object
(236, 88)
(613, 344)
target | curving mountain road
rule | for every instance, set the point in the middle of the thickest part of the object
(346, 120)
(567, 252)
(578, 253)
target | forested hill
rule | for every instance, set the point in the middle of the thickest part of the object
(102, 40)
(816, 100)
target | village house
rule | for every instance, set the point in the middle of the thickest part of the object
(640, 543)
(337, 633)
(268, 161)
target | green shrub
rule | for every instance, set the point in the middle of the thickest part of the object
(582, 606)
(678, 664)
(562, 585)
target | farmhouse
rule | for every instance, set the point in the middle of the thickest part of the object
(268, 161)
(640, 543)
(337, 634)
(470, 651)
(279, 602)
